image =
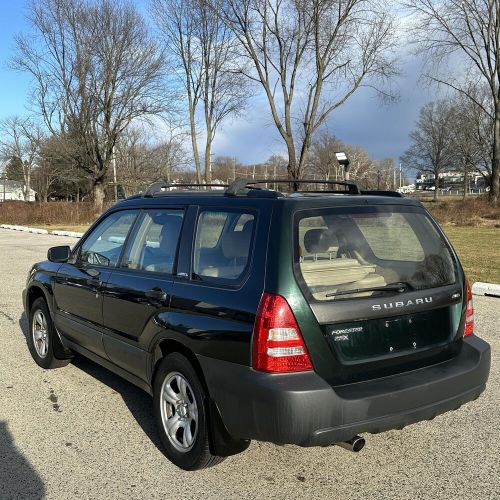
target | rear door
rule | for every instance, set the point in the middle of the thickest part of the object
(383, 284)
(137, 294)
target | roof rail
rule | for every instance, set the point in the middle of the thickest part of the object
(162, 185)
(239, 185)
(393, 194)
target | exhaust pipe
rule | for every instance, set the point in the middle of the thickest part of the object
(355, 444)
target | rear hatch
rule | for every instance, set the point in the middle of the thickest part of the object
(384, 285)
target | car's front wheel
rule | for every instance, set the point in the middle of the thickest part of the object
(42, 339)
(181, 414)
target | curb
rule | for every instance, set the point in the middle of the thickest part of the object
(489, 289)
(24, 229)
(35, 230)
(73, 234)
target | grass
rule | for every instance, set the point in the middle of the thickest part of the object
(479, 251)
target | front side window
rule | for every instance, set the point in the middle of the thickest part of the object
(359, 252)
(104, 245)
(222, 245)
(153, 246)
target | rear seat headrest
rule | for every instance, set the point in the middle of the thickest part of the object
(248, 226)
(318, 240)
(236, 244)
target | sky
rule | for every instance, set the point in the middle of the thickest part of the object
(364, 120)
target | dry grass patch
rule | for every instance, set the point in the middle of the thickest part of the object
(475, 211)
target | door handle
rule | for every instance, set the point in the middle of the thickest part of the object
(94, 277)
(157, 294)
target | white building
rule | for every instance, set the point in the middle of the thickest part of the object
(13, 191)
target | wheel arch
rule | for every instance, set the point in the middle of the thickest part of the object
(34, 292)
(167, 346)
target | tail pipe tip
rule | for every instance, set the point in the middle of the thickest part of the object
(356, 444)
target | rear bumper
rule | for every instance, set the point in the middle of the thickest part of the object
(303, 409)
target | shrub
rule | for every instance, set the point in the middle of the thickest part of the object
(52, 213)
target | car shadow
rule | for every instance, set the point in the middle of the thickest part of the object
(18, 479)
(137, 401)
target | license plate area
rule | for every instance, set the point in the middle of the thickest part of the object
(363, 340)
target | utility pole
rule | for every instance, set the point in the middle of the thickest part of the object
(253, 173)
(234, 168)
(400, 176)
(4, 186)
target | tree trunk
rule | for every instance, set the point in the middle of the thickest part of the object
(194, 144)
(495, 167)
(466, 181)
(27, 186)
(99, 194)
(208, 157)
(436, 186)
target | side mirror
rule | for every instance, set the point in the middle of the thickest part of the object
(59, 254)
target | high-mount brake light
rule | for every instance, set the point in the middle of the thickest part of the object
(278, 346)
(469, 312)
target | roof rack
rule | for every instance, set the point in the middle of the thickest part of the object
(253, 187)
(162, 185)
(240, 185)
(393, 194)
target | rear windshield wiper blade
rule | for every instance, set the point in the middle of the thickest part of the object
(391, 287)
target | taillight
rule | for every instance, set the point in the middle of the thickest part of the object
(278, 345)
(469, 312)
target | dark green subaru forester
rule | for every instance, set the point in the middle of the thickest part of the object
(251, 312)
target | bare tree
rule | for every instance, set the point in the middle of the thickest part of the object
(20, 138)
(208, 66)
(310, 57)
(95, 71)
(431, 147)
(140, 161)
(470, 28)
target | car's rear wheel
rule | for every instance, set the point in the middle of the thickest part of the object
(180, 407)
(42, 339)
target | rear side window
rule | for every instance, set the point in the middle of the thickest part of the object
(222, 245)
(153, 246)
(357, 252)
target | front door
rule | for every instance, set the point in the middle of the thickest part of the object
(79, 283)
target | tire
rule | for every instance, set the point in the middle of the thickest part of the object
(181, 403)
(42, 340)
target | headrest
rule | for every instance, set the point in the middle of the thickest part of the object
(236, 244)
(318, 240)
(248, 226)
(171, 226)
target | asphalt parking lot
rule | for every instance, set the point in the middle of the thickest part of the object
(82, 432)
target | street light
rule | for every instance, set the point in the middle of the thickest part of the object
(344, 161)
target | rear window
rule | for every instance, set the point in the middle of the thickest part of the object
(361, 252)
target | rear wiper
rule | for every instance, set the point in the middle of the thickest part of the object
(391, 287)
